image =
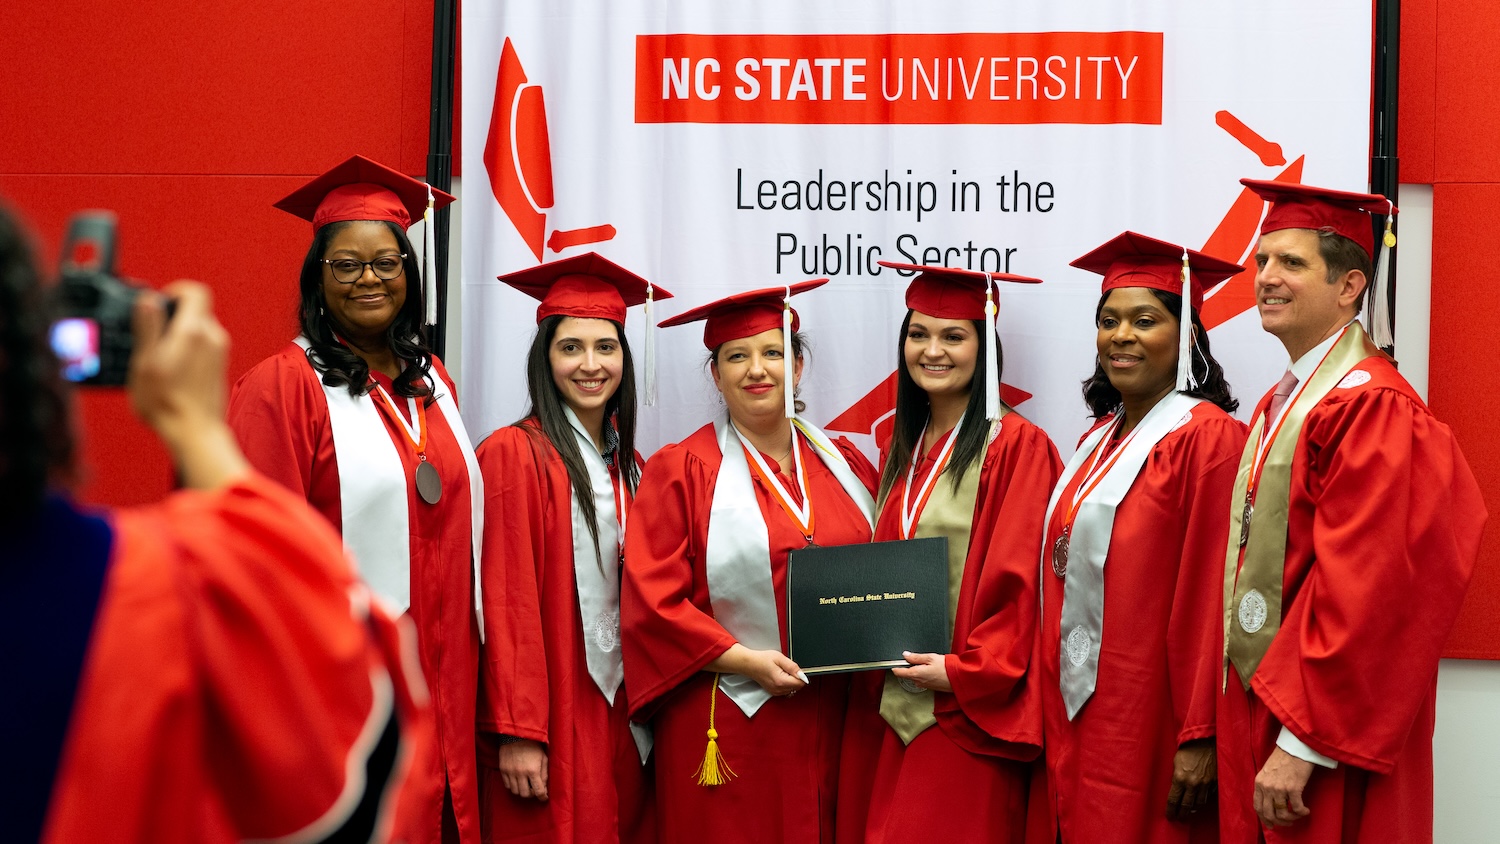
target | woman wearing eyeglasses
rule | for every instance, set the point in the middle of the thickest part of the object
(358, 416)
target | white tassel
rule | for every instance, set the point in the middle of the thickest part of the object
(991, 356)
(650, 350)
(1185, 379)
(429, 262)
(788, 358)
(1379, 319)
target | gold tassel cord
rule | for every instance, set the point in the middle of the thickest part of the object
(714, 770)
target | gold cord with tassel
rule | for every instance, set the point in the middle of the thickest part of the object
(714, 770)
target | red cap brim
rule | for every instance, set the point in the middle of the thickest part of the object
(1295, 206)
(950, 292)
(361, 189)
(1135, 260)
(743, 314)
(588, 286)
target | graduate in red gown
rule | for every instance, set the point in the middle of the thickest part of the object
(558, 761)
(944, 743)
(357, 416)
(1129, 702)
(1353, 530)
(203, 669)
(746, 747)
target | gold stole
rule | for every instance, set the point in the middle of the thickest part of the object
(949, 513)
(1252, 591)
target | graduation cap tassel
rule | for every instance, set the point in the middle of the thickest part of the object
(789, 376)
(429, 262)
(650, 349)
(1185, 379)
(714, 770)
(1381, 330)
(991, 355)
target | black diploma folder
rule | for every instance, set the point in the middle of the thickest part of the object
(855, 607)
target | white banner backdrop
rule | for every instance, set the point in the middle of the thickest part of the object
(714, 148)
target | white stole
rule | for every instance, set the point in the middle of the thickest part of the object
(738, 554)
(1082, 626)
(597, 578)
(373, 492)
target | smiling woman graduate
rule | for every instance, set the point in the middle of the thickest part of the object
(944, 742)
(557, 759)
(357, 416)
(703, 606)
(1132, 565)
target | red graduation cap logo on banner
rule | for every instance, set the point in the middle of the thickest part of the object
(518, 159)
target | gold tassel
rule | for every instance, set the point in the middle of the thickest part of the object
(714, 770)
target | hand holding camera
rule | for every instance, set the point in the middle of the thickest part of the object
(177, 383)
(166, 347)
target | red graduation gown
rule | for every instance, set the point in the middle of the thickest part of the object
(229, 680)
(534, 679)
(280, 415)
(967, 777)
(786, 757)
(1109, 769)
(1383, 530)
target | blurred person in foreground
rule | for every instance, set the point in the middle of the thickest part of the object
(203, 669)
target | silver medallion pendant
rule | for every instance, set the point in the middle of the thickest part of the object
(1253, 611)
(1060, 556)
(1245, 522)
(607, 631)
(429, 485)
(1078, 646)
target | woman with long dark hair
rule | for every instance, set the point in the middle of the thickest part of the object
(703, 607)
(359, 417)
(558, 760)
(944, 742)
(1133, 562)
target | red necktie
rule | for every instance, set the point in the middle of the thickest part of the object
(1283, 391)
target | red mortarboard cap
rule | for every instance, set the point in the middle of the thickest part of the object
(1134, 260)
(949, 292)
(589, 286)
(743, 314)
(360, 189)
(1295, 206)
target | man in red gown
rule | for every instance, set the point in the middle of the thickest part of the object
(1354, 528)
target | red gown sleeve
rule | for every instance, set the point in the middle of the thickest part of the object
(278, 413)
(863, 469)
(665, 636)
(240, 684)
(513, 695)
(1395, 530)
(998, 602)
(1203, 463)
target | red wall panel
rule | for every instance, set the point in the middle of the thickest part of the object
(189, 121)
(1417, 111)
(235, 88)
(1467, 96)
(1466, 217)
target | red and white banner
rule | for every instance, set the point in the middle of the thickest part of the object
(717, 148)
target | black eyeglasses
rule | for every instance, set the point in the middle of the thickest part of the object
(348, 270)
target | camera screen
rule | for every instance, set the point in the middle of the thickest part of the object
(75, 341)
